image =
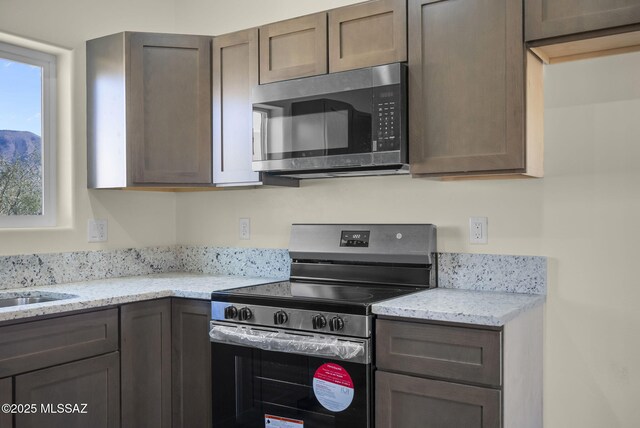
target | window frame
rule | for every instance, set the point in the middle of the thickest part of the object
(48, 63)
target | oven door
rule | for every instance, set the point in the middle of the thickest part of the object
(276, 378)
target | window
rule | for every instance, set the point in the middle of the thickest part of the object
(27, 137)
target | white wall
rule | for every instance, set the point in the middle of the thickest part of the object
(582, 215)
(135, 219)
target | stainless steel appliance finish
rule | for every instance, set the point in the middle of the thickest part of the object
(272, 339)
(297, 319)
(274, 342)
(340, 124)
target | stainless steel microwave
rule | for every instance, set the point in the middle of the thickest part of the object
(347, 123)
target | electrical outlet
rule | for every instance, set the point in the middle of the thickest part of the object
(478, 230)
(245, 228)
(97, 230)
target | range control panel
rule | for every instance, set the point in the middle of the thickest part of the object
(354, 238)
(298, 319)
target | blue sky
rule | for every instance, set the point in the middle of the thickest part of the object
(20, 96)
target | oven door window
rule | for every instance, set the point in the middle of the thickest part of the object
(333, 124)
(249, 384)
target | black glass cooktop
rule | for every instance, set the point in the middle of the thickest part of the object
(340, 297)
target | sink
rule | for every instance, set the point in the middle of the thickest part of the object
(30, 298)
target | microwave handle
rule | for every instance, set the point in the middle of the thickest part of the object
(258, 135)
(356, 351)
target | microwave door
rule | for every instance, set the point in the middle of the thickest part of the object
(271, 135)
(308, 128)
(337, 126)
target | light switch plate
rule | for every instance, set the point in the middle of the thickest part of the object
(97, 230)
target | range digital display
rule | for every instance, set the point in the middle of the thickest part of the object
(358, 238)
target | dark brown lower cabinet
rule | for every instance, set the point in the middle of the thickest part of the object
(145, 331)
(93, 382)
(191, 363)
(6, 397)
(406, 401)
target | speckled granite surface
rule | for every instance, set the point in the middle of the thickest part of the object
(116, 291)
(488, 272)
(463, 306)
(60, 268)
(261, 262)
(517, 274)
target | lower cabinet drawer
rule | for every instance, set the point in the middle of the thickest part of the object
(406, 401)
(37, 344)
(452, 353)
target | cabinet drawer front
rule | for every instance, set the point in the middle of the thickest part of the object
(37, 344)
(455, 353)
(405, 401)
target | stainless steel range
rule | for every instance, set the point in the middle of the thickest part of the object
(298, 353)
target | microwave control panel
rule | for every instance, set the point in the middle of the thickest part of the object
(386, 118)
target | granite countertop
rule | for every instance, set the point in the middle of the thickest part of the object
(440, 304)
(463, 306)
(116, 291)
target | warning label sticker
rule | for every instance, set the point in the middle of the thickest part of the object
(271, 421)
(333, 387)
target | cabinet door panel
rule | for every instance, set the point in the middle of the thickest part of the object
(553, 18)
(405, 401)
(146, 364)
(6, 397)
(191, 363)
(94, 382)
(466, 74)
(169, 109)
(235, 71)
(293, 48)
(367, 34)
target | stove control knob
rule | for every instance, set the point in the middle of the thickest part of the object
(245, 314)
(280, 317)
(318, 321)
(336, 324)
(230, 312)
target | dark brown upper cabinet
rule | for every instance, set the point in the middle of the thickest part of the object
(475, 98)
(235, 71)
(367, 34)
(293, 48)
(554, 18)
(149, 110)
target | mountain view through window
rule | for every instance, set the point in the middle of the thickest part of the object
(21, 182)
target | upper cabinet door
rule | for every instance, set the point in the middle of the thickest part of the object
(367, 34)
(553, 18)
(293, 48)
(169, 109)
(467, 78)
(235, 71)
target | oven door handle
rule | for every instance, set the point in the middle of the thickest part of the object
(354, 350)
